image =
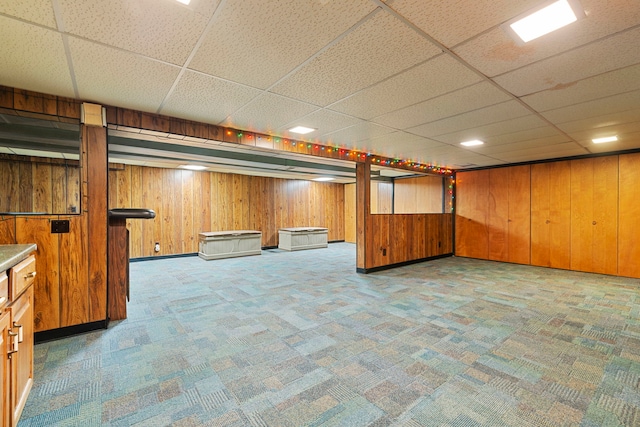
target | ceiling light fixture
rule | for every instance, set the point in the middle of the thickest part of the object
(186, 2)
(605, 139)
(545, 20)
(472, 143)
(323, 178)
(193, 167)
(301, 130)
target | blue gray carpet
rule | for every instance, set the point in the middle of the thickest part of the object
(300, 339)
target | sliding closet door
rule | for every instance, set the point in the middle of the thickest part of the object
(551, 214)
(594, 215)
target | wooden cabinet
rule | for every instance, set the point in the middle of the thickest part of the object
(471, 231)
(551, 215)
(594, 215)
(16, 337)
(629, 216)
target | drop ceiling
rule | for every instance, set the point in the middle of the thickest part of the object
(407, 78)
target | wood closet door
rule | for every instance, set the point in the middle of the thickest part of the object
(471, 225)
(509, 214)
(594, 215)
(519, 222)
(551, 215)
(629, 216)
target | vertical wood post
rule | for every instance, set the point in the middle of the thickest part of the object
(363, 209)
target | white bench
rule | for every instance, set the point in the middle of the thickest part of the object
(298, 238)
(228, 244)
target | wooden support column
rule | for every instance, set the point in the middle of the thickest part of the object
(95, 194)
(363, 209)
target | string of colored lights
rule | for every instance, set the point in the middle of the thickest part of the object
(356, 155)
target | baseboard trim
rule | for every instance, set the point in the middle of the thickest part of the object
(149, 258)
(67, 331)
(400, 264)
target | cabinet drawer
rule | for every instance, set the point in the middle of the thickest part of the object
(22, 276)
(4, 289)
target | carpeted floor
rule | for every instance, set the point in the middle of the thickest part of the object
(300, 339)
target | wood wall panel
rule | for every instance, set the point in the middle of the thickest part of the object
(629, 216)
(47, 282)
(418, 195)
(32, 184)
(74, 273)
(471, 231)
(187, 203)
(498, 214)
(350, 213)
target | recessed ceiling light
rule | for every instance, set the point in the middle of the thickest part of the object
(472, 143)
(184, 1)
(324, 178)
(301, 130)
(543, 21)
(193, 167)
(605, 139)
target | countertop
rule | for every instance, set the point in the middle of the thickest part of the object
(10, 255)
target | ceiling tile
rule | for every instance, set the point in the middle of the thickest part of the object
(493, 149)
(567, 149)
(611, 53)
(468, 99)
(324, 121)
(115, 77)
(629, 141)
(597, 107)
(510, 129)
(433, 78)
(607, 120)
(622, 131)
(451, 23)
(472, 119)
(376, 50)
(37, 11)
(197, 97)
(600, 86)
(259, 42)
(354, 136)
(268, 112)
(398, 144)
(33, 58)
(494, 52)
(160, 29)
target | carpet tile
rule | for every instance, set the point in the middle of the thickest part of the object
(300, 339)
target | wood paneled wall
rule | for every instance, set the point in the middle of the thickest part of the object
(418, 195)
(37, 184)
(187, 203)
(381, 197)
(350, 213)
(578, 214)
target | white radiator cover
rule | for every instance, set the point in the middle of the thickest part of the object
(299, 238)
(228, 244)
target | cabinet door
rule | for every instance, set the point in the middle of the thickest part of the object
(472, 196)
(5, 377)
(594, 215)
(551, 215)
(629, 215)
(22, 361)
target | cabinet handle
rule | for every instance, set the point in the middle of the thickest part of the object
(594, 223)
(20, 335)
(30, 275)
(14, 342)
(547, 222)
